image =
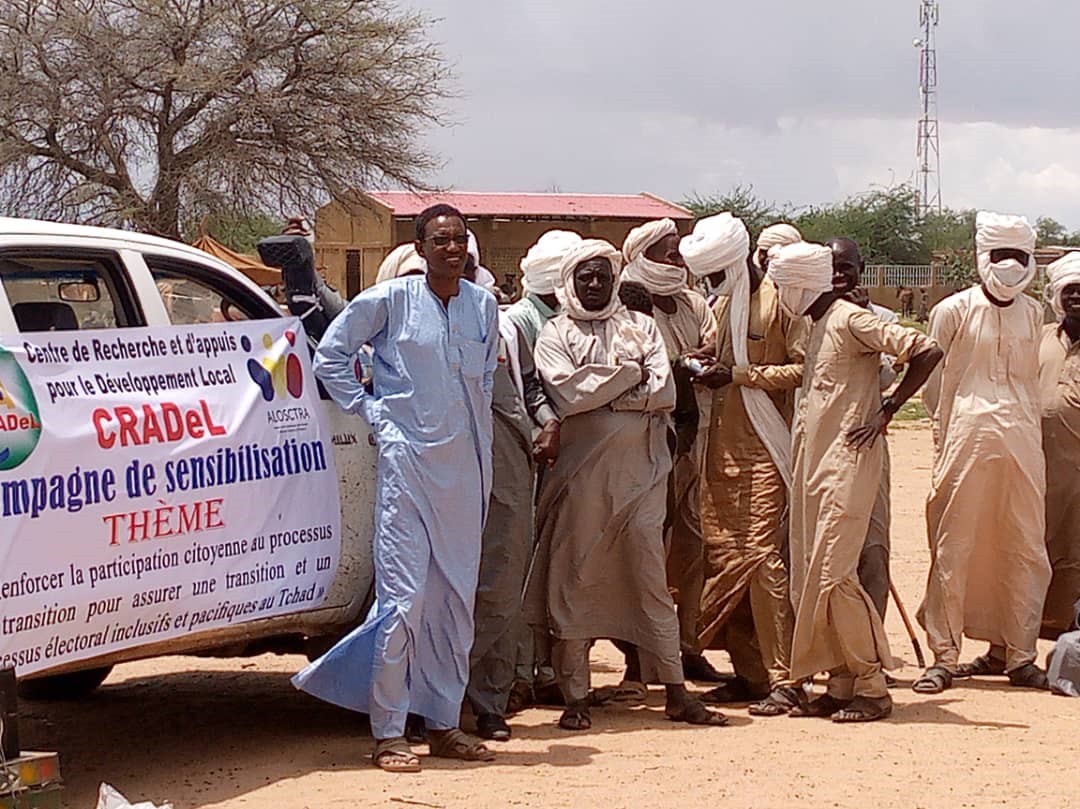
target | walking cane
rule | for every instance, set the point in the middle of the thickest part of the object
(908, 625)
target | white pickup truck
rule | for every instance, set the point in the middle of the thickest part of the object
(66, 277)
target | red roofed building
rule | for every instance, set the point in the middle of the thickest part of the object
(352, 237)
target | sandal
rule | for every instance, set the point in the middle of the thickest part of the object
(627, 692)
(694, 712)
(779, 702)
(492, 726)
(933, 681)
(981, 666)
(576, 717)
(820, 708)
(415, 729)
(458, 745)
(1029, 676)
(395, 755)
(864, 709)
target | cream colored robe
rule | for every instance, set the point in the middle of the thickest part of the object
(599, 565)
(986, 513)
(1059, 379)
(834, 488)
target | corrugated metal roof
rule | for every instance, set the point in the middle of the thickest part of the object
(595, 206)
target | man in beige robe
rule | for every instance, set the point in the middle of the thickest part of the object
(837, 466)
(1059, 379)
(652, 259)
(598, 571)
(746, 606)
(986, 513)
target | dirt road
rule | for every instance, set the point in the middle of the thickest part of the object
(235, 734)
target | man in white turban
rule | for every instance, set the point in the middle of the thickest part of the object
(652, 259)
(401, 261)
(1059, 378)
(598, 571)
(776, 235)
(539, 279)
(746, 603)
(986, 513)
(836, 469)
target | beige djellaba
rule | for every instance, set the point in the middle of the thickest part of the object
(744, 499)
(986, 513)
(1059, 380)
(598, 570)
(834, 486)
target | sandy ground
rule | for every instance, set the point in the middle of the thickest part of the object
(234, 733)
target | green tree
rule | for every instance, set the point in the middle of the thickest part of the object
(239, 230)
(150, 113)
(742, 202)
(882, 220)
(1050, 231)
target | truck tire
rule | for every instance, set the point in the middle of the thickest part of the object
(71, 686)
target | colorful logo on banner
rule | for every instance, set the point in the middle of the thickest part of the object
(20, 422)
(278, 376)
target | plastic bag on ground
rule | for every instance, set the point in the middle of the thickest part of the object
(110, 798)
(1064, 669)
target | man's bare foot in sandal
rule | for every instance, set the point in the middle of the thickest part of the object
(682, 706)
(457, 744)
(864, 709)
(781, 701)
(576, 716)
(821, 708)
(395, 755)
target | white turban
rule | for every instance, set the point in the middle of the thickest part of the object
(568, 299)
(1004, 279)
(658, 278)
(717, 243)
(776, 236)
(541, 265)
(1060, 274)
(802, 272)
(484, 278)
(402, 260)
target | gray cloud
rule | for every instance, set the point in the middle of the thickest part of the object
(807, 101)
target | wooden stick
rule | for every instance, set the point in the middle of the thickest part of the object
(908, 625)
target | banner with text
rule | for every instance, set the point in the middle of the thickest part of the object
(157, 482)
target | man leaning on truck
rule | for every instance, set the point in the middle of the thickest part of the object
(434, 339)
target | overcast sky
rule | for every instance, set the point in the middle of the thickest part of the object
(807, 101)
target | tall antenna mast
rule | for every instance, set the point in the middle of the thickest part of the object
(928, 153)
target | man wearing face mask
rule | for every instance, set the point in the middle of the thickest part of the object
(598, 571)
(652, 259)
(746, 607)
(837, 464)
(986, 511)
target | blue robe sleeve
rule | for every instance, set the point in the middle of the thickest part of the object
(491, 317)
(364, 318)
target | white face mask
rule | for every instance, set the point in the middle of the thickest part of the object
(1009, 272)
(1004, 280)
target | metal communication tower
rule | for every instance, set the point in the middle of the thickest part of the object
(928, 184)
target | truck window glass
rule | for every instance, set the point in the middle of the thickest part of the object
(66, 291)
(194, 294)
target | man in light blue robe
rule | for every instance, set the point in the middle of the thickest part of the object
(434, 340)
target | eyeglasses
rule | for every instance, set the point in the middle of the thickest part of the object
(461, 240)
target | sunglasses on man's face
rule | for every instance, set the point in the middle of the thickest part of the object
(443, 241)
